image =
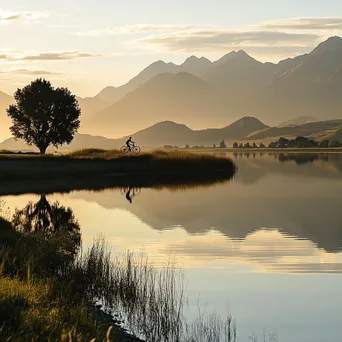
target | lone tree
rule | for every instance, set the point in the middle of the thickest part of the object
(44, 116)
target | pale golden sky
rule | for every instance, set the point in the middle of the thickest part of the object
(87, 45)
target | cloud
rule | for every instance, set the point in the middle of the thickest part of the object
(8, 17)
(35, 72)
(273, 40)
(309, 23)
(131, 29)
(57, 56)
(220, 40)
(47, 56)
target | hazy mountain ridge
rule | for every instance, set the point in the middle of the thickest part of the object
(312, 129)
(201, 93)
(5, 101)
(238, 85)
(171, 133)
(297, 121)
(158, 135)
(166, 97)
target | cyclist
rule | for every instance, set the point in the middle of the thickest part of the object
(130, 143)
(129, 196)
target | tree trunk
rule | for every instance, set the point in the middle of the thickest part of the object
(42, 149)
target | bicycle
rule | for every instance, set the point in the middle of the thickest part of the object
(134, 149)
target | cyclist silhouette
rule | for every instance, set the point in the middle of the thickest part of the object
(130, 143)
(131, 192)
(128, 195)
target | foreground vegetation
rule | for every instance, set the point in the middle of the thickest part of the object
(158, 165)
(51, 290)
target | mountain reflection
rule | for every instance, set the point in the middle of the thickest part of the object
(280, 213)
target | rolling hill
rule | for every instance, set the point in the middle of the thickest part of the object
(5, 101)
(158, 135)
(312, 129)
(171, 133)
(297, 121)
(80, 141)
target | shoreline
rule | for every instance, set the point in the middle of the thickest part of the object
(265, 150)
(105, 165)
(15, 187)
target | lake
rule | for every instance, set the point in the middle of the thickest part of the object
(266, 246)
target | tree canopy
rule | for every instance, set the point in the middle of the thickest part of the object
(43, 115)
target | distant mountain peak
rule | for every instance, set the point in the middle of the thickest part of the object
(248, 121)
(196, 65)
(332, 44)
(159, 62)
(191, 58)
(238, 56)
(242, 53)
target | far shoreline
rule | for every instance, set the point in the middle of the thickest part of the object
(261, 150)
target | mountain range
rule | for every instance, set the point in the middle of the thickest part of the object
(170, 133)
(201, 93)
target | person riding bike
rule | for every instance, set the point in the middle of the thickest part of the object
(130, 143)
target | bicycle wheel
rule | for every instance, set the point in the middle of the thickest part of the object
(136, 191)
(136, 149)
(124, 149)
(124, 190)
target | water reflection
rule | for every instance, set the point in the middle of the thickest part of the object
(51, 221)
(287, 204)
(301, 158)
(242, 242)
(130, 193)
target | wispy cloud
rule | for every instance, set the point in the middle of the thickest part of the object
(309, 23)
(131, 29)
(57, 56)
(13, 16)
(47, 56)
(34, 72)
(218, 40)
(279, 38)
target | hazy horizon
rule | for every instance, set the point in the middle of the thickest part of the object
(87, 47)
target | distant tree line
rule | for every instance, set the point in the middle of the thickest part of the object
(298, 142)
(248, 145)
(303, 142)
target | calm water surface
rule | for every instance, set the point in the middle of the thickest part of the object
(267, 245)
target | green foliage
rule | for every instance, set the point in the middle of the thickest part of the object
(43, 115)
(298, 142)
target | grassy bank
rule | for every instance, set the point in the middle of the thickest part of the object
(41, 298)
(50, 291)
(159, 166)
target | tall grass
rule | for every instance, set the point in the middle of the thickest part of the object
(44, 291)
(150, 300)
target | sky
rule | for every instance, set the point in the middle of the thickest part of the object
(88, 45)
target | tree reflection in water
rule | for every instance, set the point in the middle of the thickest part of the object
(130, 192)
(52, 222)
